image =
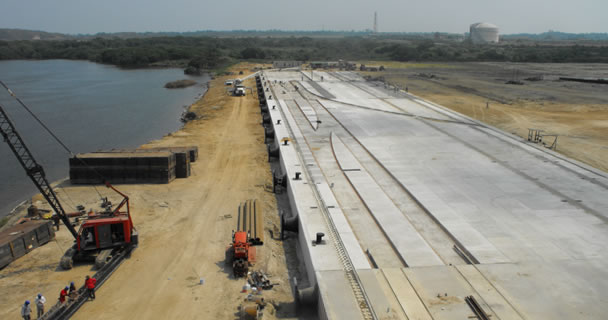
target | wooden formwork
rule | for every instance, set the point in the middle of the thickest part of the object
(251, 219)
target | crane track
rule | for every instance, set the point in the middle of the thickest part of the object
(61, 311)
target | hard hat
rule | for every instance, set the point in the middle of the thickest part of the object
(71, 283)
(27, 302)
(39, 295)
(66, 287)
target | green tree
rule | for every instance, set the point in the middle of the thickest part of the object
(252, 53)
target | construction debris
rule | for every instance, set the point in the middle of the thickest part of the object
(253, 306)
(260, 280)
(537, 135)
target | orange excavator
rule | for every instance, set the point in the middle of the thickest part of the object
(241, 253)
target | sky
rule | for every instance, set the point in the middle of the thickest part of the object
(511, 16)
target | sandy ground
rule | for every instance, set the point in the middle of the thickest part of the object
(576, 112)
(184, 228)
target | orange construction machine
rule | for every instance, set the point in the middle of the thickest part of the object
(102, 235)
(241, 253)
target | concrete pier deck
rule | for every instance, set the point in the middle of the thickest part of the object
(423, 207)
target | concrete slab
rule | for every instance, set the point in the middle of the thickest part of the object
(569, 289)
(380, 303)
(499, 305)
(406, 240)
(338, 301)
(394, 305)
(443, 290)
(406, 295)
(447, 112)
(417, 109)
(413, 170)
(325, 263)
(534, 220)
(355, 253)
(317, 89)
(308, 111)
(348, 93)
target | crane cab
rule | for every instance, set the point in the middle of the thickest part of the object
(103, 233)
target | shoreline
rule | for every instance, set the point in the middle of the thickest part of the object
(20, 208)
(15, 214)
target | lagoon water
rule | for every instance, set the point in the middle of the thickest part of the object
(89, 107)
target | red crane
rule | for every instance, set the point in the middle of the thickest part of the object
(102, 234)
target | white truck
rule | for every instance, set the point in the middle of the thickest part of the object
(239, 90)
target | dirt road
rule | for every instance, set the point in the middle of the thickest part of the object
(184, 228)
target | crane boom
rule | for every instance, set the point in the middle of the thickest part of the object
(32, 168)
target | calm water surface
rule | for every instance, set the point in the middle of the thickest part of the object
(89, 107)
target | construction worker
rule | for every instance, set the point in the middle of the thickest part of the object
(26, 310)
(56, 221)
(72, 287)
(89, 283)
(63, 294)
(73, 292)
(40, 301)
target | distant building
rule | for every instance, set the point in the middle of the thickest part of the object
(483, 32)
(340, 64)
(286, 64)
(323, 64)
(371, 68)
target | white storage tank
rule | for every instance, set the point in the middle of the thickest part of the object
(484, 32)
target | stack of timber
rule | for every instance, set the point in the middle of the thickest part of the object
(251, 219)
(123, 167)
(20, 239)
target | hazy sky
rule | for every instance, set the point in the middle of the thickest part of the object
(511, 16)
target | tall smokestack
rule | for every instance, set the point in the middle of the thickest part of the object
(375, 22)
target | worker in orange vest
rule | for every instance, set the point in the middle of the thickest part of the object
(89, 283)
(63, 294)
